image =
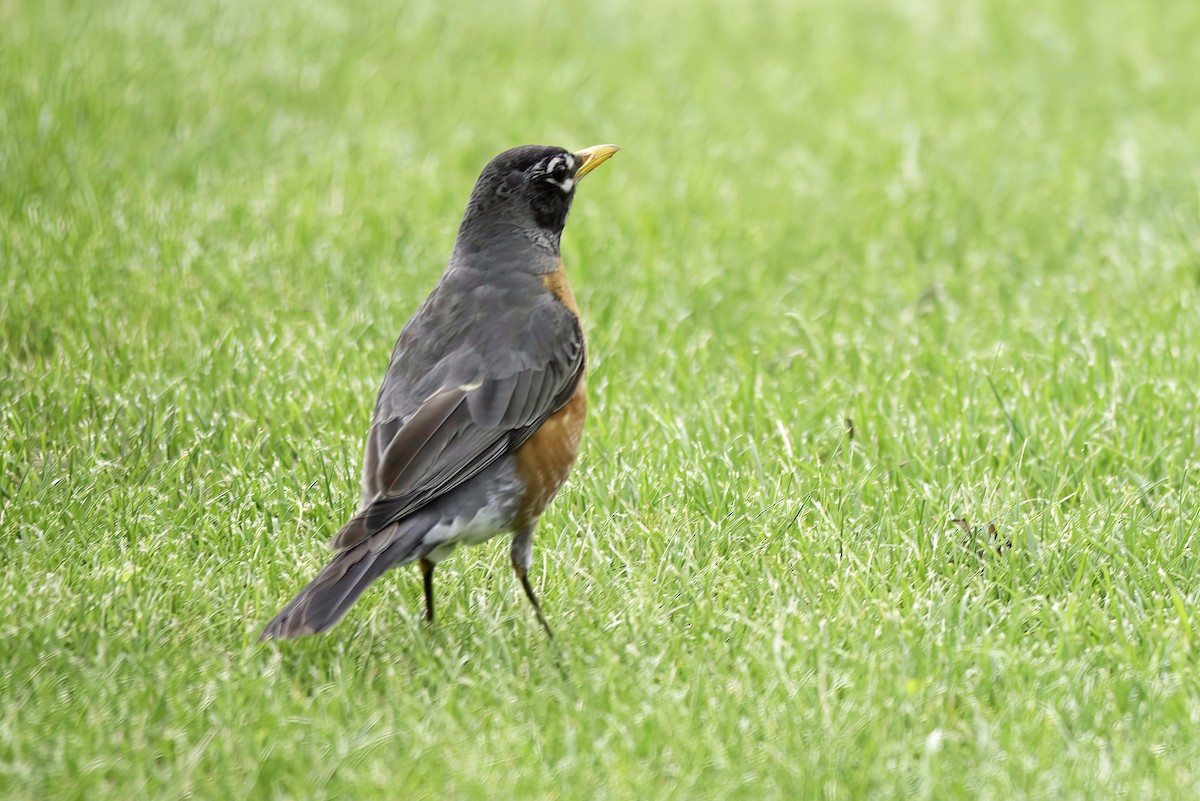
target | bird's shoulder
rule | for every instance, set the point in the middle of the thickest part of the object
(477, 327)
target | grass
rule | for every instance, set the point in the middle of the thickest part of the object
(861, 270)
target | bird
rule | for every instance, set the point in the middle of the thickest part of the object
(480, 413)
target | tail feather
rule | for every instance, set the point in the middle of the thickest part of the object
(334, 590)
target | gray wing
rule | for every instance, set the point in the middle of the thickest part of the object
(459, 430)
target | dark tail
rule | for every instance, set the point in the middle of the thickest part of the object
(330, 595)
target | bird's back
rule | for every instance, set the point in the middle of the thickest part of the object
(518, 322)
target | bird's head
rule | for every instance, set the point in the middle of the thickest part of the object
(529, 189)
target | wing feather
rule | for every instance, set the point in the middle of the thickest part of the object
(458, 432)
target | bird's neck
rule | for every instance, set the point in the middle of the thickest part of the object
(506, 247)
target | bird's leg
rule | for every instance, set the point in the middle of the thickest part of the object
(427, 573)
(537, 607)
(522, 555)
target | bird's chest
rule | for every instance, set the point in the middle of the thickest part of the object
(545, 459)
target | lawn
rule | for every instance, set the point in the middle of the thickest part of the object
(889, 487)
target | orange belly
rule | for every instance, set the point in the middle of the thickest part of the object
(545, 459)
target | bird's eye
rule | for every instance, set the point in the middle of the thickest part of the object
(560, 172)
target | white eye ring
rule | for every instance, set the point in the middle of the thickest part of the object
(566, 185)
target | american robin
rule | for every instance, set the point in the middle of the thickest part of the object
(480, 412)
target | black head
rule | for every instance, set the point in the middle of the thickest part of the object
(530, 189)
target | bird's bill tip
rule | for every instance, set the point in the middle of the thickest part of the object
(592, 157)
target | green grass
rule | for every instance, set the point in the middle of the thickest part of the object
(970, 228)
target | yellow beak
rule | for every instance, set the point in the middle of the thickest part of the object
(592, 157)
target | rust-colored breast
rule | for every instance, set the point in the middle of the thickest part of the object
(545, 459)
(560, 287)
